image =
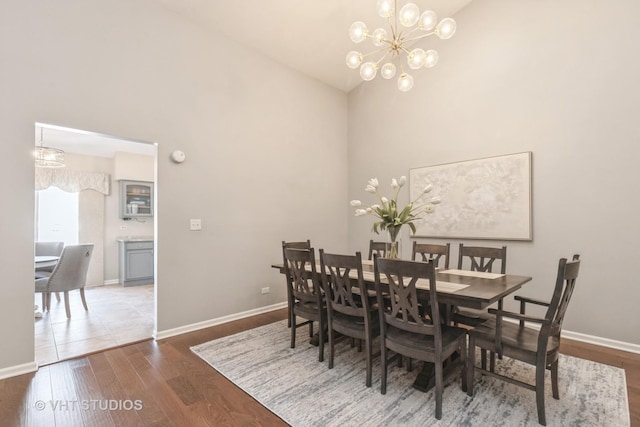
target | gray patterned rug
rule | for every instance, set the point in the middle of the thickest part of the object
(290, 381)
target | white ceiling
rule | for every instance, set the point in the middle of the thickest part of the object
(311, 36)
(88, 143)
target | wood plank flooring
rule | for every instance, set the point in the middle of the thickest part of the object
(174, 387)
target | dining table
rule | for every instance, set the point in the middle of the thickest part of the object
(43, 261)
(455, 288)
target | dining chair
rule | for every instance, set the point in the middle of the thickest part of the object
(378, 248)
(47, 249)
(308, 300)
(405, 331)
(481, 259)
(537, 347)
(68, 274)
(347, 312)
(293, 245)
(427, 251)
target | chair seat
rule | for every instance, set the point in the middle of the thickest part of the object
(354, 326)
(305, 309)
(42, 283)
(470, 316)
(518, 342)
(399, 338)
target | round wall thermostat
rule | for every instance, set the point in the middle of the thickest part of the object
(178, 156)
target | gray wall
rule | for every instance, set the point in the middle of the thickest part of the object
(559, 79)
(258, 138)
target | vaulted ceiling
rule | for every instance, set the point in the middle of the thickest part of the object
(310, 36)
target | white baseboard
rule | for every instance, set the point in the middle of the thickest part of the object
(159, 335)
(13, 371)
(591, 339)
(603, 342)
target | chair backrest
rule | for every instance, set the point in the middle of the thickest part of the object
(378, 248)
(71, 270)
(565, 283)
(428, 251)
(404, 313)
(49, 248)
(482, 258)
(345, 293)
(300, 271)
(297, 245)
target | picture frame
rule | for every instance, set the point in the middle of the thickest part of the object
(488, 198)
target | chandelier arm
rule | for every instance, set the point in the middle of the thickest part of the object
(381, 59)
(420, 37)
(374, 52)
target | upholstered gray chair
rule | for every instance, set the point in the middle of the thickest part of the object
(69, 273)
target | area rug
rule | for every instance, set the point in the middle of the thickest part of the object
(304, 392)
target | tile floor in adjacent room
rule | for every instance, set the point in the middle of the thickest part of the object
(116, 316)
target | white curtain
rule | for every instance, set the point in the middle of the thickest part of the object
(72, 181)
(90, 212)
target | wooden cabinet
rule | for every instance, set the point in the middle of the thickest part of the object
(136, 199)
(136, 262)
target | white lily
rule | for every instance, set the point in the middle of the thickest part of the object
(356, 203)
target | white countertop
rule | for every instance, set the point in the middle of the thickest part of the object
(135, 239)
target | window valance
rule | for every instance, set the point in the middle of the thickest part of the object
(72, 181)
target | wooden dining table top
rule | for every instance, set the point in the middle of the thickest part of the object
(457, 287)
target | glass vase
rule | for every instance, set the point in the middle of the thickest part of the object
(393, 250)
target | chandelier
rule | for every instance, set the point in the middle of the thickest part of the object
(395, 46)
(47, 157)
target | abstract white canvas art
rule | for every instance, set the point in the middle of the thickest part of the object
(486, 198)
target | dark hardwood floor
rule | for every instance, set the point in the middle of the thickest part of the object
(164, 384)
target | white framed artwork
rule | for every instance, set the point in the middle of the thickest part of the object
(487, 198)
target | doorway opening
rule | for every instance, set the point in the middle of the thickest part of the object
(73, 209)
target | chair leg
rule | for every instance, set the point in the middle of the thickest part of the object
(439, 389)
(84, 301)
(331, 346)
(322, 329)
(471, 364)
(464, 361)
(292, 320)
(383, 365)
(540, 370)
(369, 350)
(554, 380)
(66, 304)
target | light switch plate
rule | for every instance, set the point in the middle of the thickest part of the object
(195, 224)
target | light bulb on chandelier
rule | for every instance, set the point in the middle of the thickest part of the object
(407, 27)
